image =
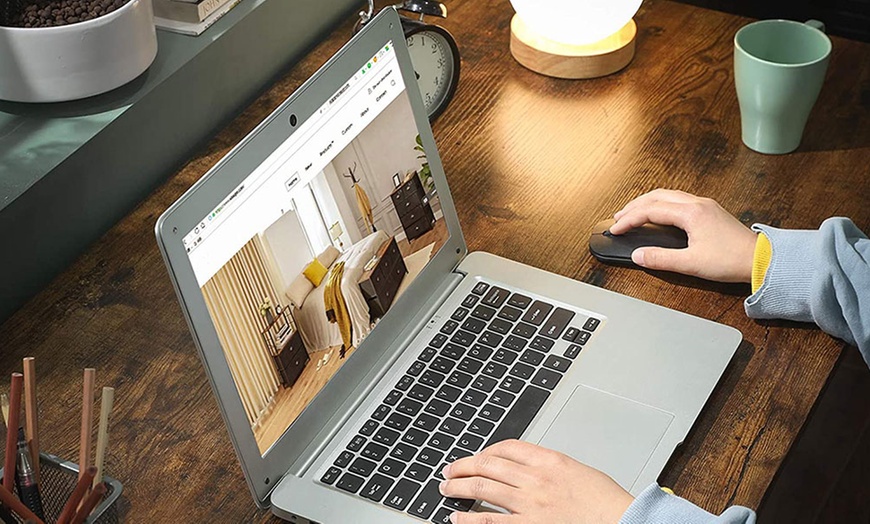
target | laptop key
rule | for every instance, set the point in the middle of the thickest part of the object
(524, 330)
(430, 457)
(403, 452)
(415, 436)
(343, 459)
(442, 365)
(470, 365)
(557, 322)
(404, 383)
(502, 398)
(438, 340)
(448, 393)
(386, 436)
(459, 504)
(572, 351)
(473, 397)
(518, 418)
(491, 412)
(442, 516)
(560, 364)
(480, 288)
(515, 343)
(330, 476)
(483, 312)
(502, 327)
(421, 393)
(426, 422)
(481, 427)
(522, 370)
(456, 454)
(416, 368)
(374, 451)
(391, 467)
(356, 443)
(470, 442)
(505, 356)
(397, 421)
(402, 494)
(459, 314)
(452, 426)
(474, 325)
(484, 383)
(470, 301)
(510, 313)
(419, 472)
(350, 482)
(462, 412)
(532, 357)
(542, 344)
(512, 384)
(546, 378)
(571, 333)
(441, 441)
(368, 428)
(491, 339)
(362, 467)
(393, 397)
(381, 412)
(431, 378)
(427, 501)
(495, 370)
(520, 301)
(583, 337)
(496, 297)
(449, 327)
(409, 407)
(459, 379)
(453, 351)
(427, 354)
(436, 407)
(377, 488)
(537, 313)
(591, 324)
(463, 338)
(480, 352)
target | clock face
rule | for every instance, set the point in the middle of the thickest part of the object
(435, 63)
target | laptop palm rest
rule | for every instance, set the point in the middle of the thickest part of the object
(610, 433)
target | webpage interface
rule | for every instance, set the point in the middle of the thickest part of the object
(299, 262)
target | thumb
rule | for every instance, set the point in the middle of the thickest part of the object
(658, 258)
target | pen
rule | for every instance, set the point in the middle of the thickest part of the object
(12, 432)
(28, 490)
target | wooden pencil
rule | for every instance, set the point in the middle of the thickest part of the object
(11, 501)
(108, 399)
(31, 416)
(12, 422)
(90, 503)
(86, 437)
(75, 498)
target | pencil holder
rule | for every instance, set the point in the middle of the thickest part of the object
(57, 480)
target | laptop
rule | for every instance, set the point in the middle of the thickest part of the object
(354, 345)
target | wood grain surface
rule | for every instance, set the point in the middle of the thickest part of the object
(533, 162)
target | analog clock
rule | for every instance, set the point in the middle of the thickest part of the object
(436, 63)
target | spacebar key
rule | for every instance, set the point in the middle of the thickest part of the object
(519, 417)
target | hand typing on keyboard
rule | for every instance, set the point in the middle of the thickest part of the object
(536, 485)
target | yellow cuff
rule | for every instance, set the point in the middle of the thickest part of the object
(760, 261)
(669, 491)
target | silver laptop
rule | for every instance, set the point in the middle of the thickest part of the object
(355, 347)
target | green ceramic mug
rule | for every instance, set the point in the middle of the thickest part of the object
(779, 67)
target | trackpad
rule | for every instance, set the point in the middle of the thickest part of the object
(613, 434)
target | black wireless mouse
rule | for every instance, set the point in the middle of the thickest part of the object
(616, 249)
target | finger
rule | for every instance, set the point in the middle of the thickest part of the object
(657, 195)
(491, 467)
(461, 517)
(659, 212)
(676, 260)
(480, 488)
(521, 452)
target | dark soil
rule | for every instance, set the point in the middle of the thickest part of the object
(51, 13)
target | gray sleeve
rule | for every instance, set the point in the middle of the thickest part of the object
(818, 276)
(654, 506)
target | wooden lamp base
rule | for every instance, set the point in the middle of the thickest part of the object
(559, 60)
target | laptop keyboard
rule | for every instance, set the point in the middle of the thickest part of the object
(481, 380)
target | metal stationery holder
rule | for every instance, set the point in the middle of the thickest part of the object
(57, 480)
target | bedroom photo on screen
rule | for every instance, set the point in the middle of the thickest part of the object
(293, 304)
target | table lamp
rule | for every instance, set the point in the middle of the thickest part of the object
(335, 233)
(574, 38)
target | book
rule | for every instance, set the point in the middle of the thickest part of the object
(186, 11)
(193, 28)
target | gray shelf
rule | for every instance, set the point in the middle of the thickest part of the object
(69, 171)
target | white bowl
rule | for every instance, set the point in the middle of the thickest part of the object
(55, 64)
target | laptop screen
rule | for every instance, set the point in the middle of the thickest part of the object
(302, 259)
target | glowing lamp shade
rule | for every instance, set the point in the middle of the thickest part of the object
(574, 38)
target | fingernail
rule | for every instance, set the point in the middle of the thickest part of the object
(453, 517)
(445, 471)
(441, 486)
(637, 256)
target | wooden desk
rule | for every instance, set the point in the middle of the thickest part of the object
(527, 157)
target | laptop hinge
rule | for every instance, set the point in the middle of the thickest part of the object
(383, 365)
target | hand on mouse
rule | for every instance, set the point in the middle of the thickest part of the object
(537, 486)
(720, 247)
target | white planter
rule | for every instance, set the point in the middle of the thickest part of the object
(55, 64)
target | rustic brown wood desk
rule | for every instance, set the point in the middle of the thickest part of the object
(533, 163)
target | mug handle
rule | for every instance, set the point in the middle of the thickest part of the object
(816, 24)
